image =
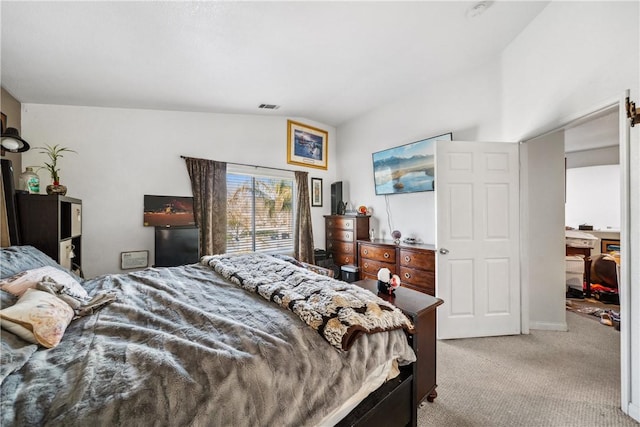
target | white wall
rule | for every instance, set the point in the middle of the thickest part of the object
(466, 104)
(573, 57)
(594, 157)
(124, 154)
(593, 197)
(542, 226)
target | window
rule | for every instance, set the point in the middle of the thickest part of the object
(260, 206)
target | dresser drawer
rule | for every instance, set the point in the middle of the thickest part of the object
(424, 260)
(371, 267)
(429, 290)
(337, 246)
(344, 235)
(342, 258)
(416, 277)
(378, 253)
(365, 275)
(343, 223)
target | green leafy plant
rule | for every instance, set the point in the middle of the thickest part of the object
(54, 153)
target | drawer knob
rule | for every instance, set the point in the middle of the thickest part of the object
(386, 255)
(347, 260)
(407, 276)
(366, 265)
(407, 258)
(365, 251)
(347, 236)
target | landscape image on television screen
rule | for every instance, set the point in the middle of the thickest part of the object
(408, 168)
(168, 211)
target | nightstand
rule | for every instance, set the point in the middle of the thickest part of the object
(421, 309)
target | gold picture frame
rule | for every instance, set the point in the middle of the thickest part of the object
(307, 145)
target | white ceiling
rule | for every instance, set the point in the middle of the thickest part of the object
(326, 61)
(598, 132)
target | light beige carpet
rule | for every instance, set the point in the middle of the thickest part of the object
(546, 378)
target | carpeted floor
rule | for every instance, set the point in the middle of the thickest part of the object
(546, 378)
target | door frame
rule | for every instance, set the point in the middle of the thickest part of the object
(624, 286)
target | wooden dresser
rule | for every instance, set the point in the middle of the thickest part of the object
(415, 264)
(342, 233)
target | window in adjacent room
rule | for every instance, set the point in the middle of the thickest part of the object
(260, 206)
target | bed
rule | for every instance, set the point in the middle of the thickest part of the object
(189, 346)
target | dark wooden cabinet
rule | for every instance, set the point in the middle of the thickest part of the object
(342, 233)
(53, 224)
(421, 309)
(415, 264)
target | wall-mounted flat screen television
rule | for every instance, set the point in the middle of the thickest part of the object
(408, 168)
(168, 211)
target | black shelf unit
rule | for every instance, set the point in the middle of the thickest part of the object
(53, 224)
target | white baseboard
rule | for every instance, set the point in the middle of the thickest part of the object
(549, 326)
(634, 411)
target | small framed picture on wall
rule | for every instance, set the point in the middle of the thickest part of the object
(316, 192)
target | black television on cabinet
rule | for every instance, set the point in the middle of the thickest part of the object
(336, 197)
(408, 168)
(176, 246)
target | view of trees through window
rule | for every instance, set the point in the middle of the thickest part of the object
(259, 213)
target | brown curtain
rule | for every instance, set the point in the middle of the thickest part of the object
(209, 187)
(303, 234)
(4, 221)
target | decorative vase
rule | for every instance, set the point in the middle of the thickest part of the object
(56, 188)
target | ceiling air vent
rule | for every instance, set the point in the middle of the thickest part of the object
(268, 106)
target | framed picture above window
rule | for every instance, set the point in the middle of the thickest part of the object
(306, 145)
(316, 192)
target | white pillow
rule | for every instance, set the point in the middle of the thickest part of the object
(19, 283)
(38, 317)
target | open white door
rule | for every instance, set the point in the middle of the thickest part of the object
(477, 236)
(629, 301)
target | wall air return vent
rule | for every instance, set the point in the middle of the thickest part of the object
(268, 106)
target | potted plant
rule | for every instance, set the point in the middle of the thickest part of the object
(55, 153)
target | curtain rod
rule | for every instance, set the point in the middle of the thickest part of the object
(245, 164)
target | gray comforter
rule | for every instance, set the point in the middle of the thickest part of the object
(180, 347)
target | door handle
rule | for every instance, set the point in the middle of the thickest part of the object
(444, 251)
